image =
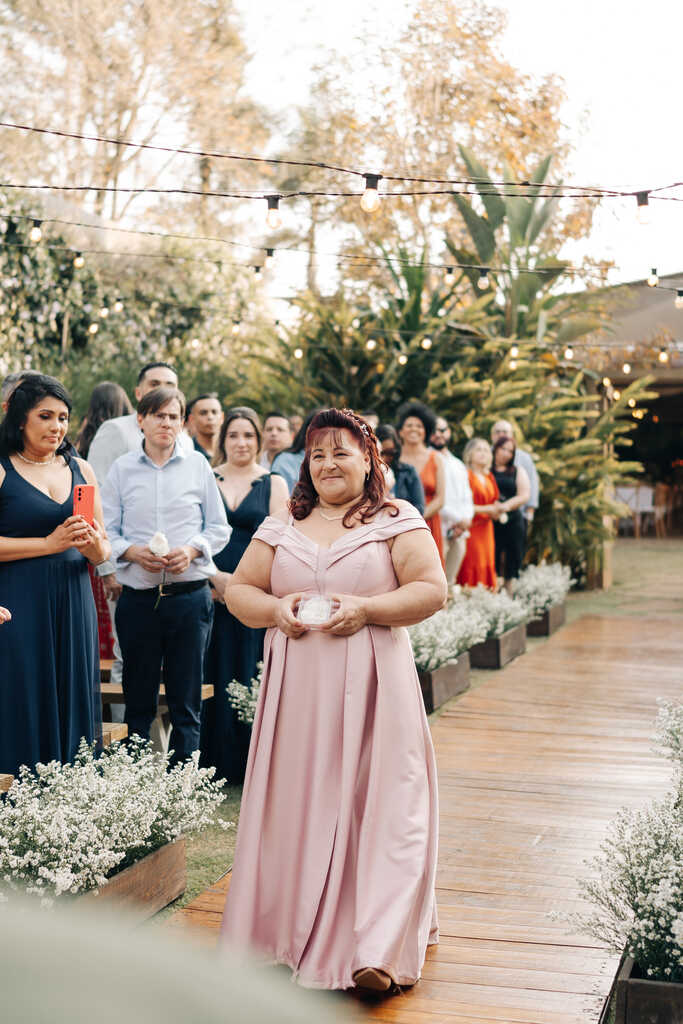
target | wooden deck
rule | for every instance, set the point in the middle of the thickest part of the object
(532, 766)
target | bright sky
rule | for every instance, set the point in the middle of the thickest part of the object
(619, 60)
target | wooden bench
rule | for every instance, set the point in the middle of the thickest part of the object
(113, 731)
(5, 782)
(112, 693)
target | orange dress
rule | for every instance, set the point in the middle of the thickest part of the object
(428, 478)
(479, 563)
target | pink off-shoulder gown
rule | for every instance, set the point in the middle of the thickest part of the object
(337, 843)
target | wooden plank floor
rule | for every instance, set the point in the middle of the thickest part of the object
(532, 766)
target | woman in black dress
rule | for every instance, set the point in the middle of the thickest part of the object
(514, 487)
(49, 665)
(250, 494)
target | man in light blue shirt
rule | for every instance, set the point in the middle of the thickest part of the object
(165, 519)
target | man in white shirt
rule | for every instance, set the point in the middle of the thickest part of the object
(277, 437)
(458, 510)
(166, 519)
(503, 428)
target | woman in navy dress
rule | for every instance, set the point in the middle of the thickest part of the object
(49, 665)
(514, 487)
(250, 494)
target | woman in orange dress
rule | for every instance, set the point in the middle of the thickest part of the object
(479, 563)
(416, 423)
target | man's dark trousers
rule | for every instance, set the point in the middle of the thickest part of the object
(176, 635)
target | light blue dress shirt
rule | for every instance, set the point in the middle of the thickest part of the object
(525, 460)
(288, 465)
(179, 499)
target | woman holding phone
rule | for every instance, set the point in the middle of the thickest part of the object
(49, 666)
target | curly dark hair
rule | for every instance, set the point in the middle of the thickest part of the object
(304, 496)
(422, 413)
(26, 396)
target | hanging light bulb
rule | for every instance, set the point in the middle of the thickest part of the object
(370, 344)
(79, 261)
(370, 198)
(569, 352)
(483, 281)
(626, 368)
(631, 403)
(36, 233)
(355, 322)
(273, 217)
(678, 301)
(606, 382)
(104, 312)
(653, 279)
(426, 343)
(118, 304)
(616, 394)
(513, 364)
(235, 328)
(450, 276)
(643, 210)
(270, 258)
(194, 343)
(298, 353)
(257, 270)
(663, 355)
(403, 359)
(93, 329)
(380, 368)
(514, 351)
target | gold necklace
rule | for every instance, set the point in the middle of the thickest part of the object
(32, 462)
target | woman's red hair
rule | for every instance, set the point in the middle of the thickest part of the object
(373, 499)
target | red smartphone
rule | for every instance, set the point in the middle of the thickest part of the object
(84, 502)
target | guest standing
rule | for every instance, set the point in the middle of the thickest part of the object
(203, 421)
(503, 428)
(249, 494)
(162, 488)
(479, 563)
(336, 852)
(49, 668)
(458, 508)
(107, 401)
(416, 425)
(407, 484)
(513, 487)
(277, 437)
(288, 463)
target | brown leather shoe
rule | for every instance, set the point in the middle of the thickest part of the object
(372, 979)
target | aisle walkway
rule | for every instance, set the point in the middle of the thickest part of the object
(532, 766)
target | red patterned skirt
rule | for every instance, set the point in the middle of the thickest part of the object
(103, 617)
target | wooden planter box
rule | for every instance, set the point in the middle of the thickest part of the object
(646, 1002)
(445, 682)
(499, 650)
(147, 886)
(549, 622)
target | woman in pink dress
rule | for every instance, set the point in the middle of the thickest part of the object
(336, 850)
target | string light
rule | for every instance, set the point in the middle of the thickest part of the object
(514, 351)
(370, 199)
(631, 403)
(513, 364)
(104, 312)
(298, 353)
(678, 301)
(643, 207)
(257, 269)
(79, 261)
(194, 343)
(483, 281)
(653, 279)
(235, 329)
(270, 258)
(606, 382)
(426, 343)
(36, 232)
(273, 216)
(118, 304)
(403, 359)
(663, 355)
(370, 344)
(93, 329)
(626, 368)
(569, 352)
(380, 368)
(616, 394)
(449, 278)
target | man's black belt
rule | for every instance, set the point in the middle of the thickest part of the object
(170, 589)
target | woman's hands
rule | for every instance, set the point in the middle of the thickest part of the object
(94, 545)
(70, 534)
(351, 615)
(285, 617)
(5, 615)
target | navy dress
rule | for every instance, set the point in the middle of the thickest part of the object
(49, 663)
(509, 537)
(234, 649)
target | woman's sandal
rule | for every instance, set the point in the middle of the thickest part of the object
(372, 979)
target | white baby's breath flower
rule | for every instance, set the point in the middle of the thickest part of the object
(158, 545)
(539, 587)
